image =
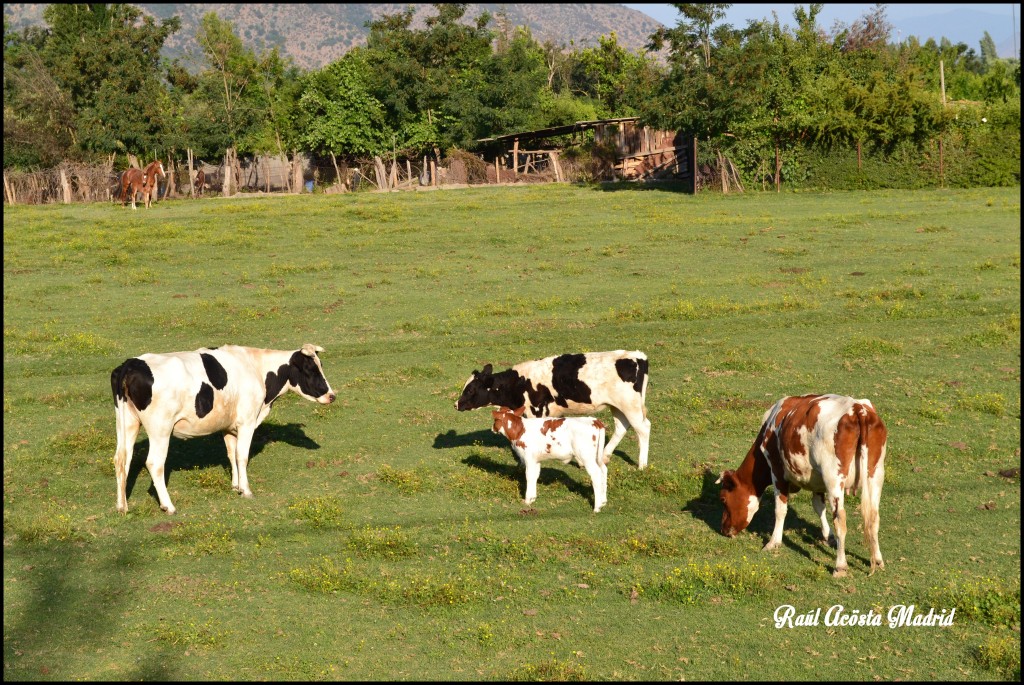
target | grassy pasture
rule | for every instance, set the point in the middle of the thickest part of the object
(387, 539)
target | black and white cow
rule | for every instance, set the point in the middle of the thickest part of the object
(227, 389)
(571, 385)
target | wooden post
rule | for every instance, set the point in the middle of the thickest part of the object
(433, 173)
(191, 173)
(942, 81)
(337, 171)
(515, 160)
(408, 171)
(8, 190)
(169, 191)
(296, 172)
(65, 186)
(778, 169)
(942, 174)
(693, 164)
(553, 156)
(722, 172)
(226, 177)
(858, 155)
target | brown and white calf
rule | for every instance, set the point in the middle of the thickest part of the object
(571, 385)
(828, 444)
(227, 389)
(537, 440)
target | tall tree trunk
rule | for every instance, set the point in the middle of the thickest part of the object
(191, 174)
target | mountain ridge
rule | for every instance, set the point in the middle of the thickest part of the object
(314, 35)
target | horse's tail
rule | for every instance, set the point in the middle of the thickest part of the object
(120, 185)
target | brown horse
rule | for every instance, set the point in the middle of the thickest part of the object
(200, 181)
(140, 181)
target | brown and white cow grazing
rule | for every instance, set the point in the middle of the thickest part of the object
(571, 385)
(227, 389)
(828, 444)
(537, 440)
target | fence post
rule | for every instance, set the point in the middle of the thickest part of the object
(65, 186)
(191, 174)
(8, 190)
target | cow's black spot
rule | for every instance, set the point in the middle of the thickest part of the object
(276, 381)
(565, 378)
(539, 399)
(133, 380)
(632, 371)
(642, 367)
(204, 400)
(308, 376)
(214, 371)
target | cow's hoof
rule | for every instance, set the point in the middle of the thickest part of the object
(170, 510)
(247, 495)
(839, 573)
(771, 544)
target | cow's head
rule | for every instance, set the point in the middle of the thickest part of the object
(508, 422)
(306, 375)
(739, 502)
(478, 390)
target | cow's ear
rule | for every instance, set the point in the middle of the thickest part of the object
(728, 480)
(310, 350)
(486, 370)
(519, 411)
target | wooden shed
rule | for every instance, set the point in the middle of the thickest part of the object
(641, 153)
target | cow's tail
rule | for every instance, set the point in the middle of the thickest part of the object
(864, 444)
(645, 367)
(602, 458)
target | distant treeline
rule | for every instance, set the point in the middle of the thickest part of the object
(803, 105)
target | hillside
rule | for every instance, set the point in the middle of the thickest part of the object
(316, 34)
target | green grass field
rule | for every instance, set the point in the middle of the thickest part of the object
(387, 538)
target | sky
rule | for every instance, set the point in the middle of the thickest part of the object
(905, 18)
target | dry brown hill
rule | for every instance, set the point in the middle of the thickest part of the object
(316, 34)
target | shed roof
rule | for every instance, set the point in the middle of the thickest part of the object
(556, 130)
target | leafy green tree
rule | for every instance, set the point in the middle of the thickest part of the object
(613, 76)
(338, 114)
(429, 80)
(98, 65)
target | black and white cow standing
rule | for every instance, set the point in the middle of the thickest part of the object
(571, 385)
(227, 389)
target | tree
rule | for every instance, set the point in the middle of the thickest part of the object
(97, 69)
(989, 54)
(617, 78)
(339, 116)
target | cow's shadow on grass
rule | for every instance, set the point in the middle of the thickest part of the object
(514, 471)
(480, 438)
(209, 451)
(799, 534)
